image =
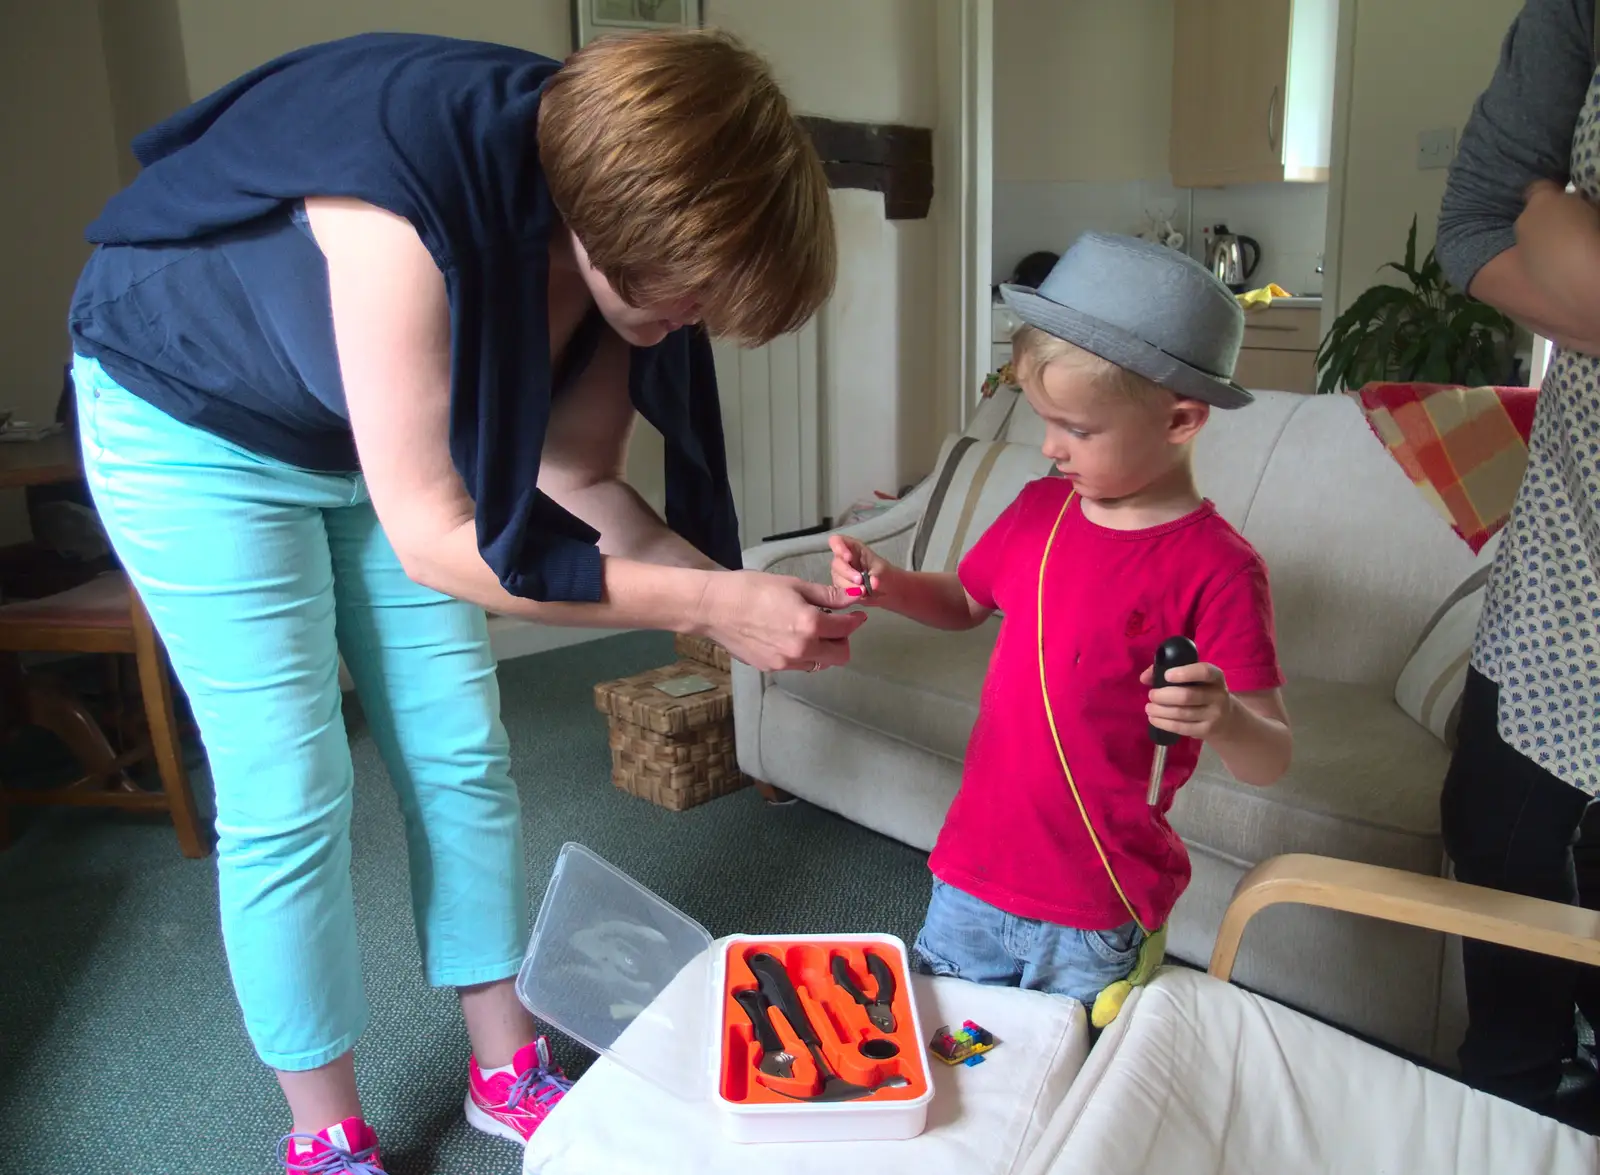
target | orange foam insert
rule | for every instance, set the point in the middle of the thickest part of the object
(840, 1023)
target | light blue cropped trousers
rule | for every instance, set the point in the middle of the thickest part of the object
(257, 576)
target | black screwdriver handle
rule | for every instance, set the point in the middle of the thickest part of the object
(755, 1006)
(776, 986)
(884, 975)
(1174, 651)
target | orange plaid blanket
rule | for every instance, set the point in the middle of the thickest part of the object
(1465, 448)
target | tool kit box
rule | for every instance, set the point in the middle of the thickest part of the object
(795, 1038)
(852, 1001)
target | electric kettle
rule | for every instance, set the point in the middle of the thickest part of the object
(1233, 258)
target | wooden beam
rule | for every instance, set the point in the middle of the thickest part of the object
(896, 161)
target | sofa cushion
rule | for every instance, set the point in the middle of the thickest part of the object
(983, 1119)
(1197, 1075)
(1229, 455)
(1364, 785)
(1233, 450)
(895, 788)
(1304, 479)
(1359, 561)
(1431, 684)
(973, 482)
(910, 682)
(1465, 449)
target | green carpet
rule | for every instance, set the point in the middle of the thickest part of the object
(121, 1048)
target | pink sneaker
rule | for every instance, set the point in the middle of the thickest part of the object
(350, 1148)
(512, 1107)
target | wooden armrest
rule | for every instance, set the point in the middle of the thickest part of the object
(1434, 903)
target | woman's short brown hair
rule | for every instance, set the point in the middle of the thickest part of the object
(675, 159)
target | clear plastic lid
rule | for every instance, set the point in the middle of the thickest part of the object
(629, 975)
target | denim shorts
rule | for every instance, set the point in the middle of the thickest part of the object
(966, 937)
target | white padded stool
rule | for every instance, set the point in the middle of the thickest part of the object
(1198, 1075)
(984, 1119)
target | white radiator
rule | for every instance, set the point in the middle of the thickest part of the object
(771, 417)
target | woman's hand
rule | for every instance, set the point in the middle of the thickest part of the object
(1195, 702)
(855, 563)
(1558, 242)
(936, 599)
(1551, 217)
(773, 622)
(1249, 732)
(1541, 189)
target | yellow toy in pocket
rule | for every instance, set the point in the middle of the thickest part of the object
(1109, 1002)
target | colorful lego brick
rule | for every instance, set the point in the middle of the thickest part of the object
(965, 1046)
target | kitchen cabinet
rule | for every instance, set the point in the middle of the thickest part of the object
(1279, 351)
(1252, 91)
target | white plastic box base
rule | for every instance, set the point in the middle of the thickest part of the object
(865, 1120)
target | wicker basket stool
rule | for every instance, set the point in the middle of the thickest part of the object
(675, 752)
(701, 649)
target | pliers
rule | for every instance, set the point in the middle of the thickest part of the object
(880, 1009)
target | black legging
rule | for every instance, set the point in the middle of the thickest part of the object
(1511, 825)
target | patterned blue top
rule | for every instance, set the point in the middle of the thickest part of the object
(1539, 638)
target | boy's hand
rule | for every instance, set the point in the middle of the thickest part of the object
(853, 561)
(1195, 703)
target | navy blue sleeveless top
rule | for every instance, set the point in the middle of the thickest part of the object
(208, 296)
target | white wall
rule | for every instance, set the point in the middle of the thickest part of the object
(1288, 219)
(145, 64)
(1415, 65)
(1083, 114)
(864, 61)
(224, 38)
(56, 138)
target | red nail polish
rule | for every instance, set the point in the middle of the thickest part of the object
(852, 591)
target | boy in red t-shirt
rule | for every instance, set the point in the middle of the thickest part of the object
(1052, 869)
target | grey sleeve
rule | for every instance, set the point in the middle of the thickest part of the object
(1520, 130)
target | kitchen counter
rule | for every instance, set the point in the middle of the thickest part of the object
(1280, 345)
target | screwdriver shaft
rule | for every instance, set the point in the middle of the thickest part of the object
(1158, 768)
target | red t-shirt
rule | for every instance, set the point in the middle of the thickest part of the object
(1014, 836)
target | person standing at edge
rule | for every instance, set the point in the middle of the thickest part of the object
(356, 358)
(1527, 763)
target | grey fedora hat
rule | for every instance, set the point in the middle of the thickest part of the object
(1146, 308)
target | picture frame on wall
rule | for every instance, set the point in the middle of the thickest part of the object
(598, 18)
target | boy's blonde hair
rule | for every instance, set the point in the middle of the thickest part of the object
(1032, 350)
(675, 159)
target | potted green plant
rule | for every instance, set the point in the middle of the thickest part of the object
(1430, 333)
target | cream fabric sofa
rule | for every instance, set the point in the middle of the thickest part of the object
(1360, 566)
